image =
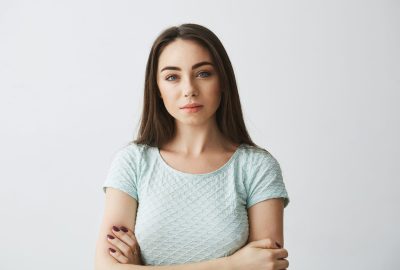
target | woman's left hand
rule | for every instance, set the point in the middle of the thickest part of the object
(125, 245)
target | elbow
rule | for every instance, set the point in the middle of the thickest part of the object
(101, 265)
(104, 262)
(104, 265)
(115, 266)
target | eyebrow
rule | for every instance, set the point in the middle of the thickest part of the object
(193, 67)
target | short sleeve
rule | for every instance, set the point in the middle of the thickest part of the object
(122, 173)
(265, 180)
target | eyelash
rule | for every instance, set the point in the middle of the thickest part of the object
(173, 75)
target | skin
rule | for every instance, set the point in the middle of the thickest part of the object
(198, 142)
(125, 245)
(200, 147)
(197, 133)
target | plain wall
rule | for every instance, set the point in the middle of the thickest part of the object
(319, 87)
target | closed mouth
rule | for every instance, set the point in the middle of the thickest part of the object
(188, 107)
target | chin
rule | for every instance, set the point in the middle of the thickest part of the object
(194, 121)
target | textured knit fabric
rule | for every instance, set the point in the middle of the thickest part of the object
(184, 217)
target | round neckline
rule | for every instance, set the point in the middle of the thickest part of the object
(165, 164)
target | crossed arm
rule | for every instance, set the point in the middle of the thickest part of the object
(265, 221)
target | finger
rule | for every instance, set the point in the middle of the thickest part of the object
(120, 245)
(125, 235)
(118, 255)
(282, 264)
(135, 246)
(131, 235)
(125, 241)
(280, 253)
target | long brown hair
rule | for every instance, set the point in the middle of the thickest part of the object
(157, 126)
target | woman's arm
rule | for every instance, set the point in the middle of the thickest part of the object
(266, 220)
(120, 209)
(222, 263)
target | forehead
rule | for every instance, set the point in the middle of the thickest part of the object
(183, 53)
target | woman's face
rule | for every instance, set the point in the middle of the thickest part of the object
(182, 79)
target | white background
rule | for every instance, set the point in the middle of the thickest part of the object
(319, 85)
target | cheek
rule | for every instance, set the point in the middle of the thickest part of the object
(170, 98)
(215, 87)
(166, 91)
(215, 93)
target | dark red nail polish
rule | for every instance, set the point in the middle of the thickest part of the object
(110, 236)
(278, 244)
(123, 229)
(115, 229)
(112, 250)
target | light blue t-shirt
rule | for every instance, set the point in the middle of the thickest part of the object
(183, 217)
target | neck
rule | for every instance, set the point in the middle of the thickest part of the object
(195, 140)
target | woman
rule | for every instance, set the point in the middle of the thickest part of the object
(192, 188)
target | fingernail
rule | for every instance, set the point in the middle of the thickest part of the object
(110, 236)
(115, 229)
(112, 250)
(124, 229)
(278, 244)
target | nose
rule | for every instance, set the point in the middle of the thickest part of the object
(189, 88)
(192, 94)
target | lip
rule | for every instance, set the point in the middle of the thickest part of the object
(192, 109)
(191, 105)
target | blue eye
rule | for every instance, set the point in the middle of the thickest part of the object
(205, 72)
(208, 74)
(167, 79)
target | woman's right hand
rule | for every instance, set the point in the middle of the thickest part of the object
(263, 254)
